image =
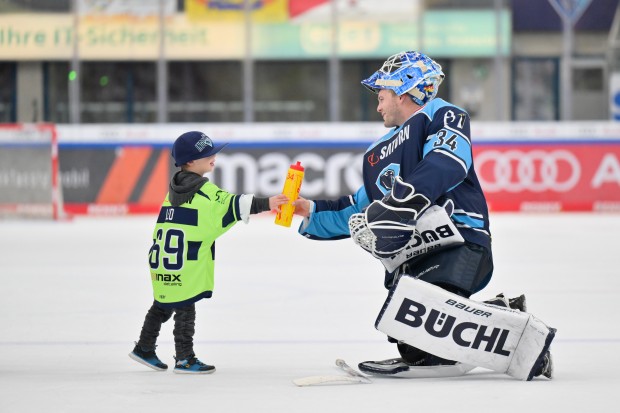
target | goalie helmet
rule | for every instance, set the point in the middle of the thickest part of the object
(408, 72)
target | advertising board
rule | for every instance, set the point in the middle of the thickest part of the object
(521, 167)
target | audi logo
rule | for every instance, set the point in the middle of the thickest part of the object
(536, 171)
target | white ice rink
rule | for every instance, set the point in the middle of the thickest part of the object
(74, 296)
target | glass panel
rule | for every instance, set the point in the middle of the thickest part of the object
(142, 92)
(7, 92)
(56, 92)
(287, 91)
(588, 79)
(535, 90)
(118, 92)
(358, 103)
(590, 98)
(205, 92)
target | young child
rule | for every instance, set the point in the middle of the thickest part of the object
(182, 257)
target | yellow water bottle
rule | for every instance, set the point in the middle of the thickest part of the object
(292, 185)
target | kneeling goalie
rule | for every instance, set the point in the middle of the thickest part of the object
(423, 214)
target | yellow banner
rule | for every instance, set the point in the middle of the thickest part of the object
(263, 11)
(49, 37)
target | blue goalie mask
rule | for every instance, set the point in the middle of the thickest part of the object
(408, 72)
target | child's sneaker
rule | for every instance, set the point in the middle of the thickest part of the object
(148, 358)
(192, 366)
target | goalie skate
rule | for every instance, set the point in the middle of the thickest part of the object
(546, 369)
(399, 368)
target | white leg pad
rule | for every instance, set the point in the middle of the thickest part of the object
(455, 328)
(535, 341)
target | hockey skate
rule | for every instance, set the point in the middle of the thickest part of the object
(398, 367)
(192, 365)
(546, 369)
(148, 358)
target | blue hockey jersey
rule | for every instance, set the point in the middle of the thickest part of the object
(431, 151)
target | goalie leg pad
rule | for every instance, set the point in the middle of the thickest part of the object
(455, 328)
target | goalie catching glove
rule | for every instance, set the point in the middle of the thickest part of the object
(388, 225)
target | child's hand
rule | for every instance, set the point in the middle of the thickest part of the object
(302, 207)
(277, 200)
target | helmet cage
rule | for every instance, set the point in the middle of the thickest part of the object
(408, 72)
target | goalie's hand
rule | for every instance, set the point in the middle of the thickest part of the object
(393, 219)
(403, 194)
(387, 226)
(392, 226)
(302, 207)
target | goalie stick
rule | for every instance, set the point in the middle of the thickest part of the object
(351, 371)
(352, 377)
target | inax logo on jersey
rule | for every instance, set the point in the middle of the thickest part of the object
(411, 313)
(167, 277)
(388, 149)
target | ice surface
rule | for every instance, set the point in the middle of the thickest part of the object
(74, 296)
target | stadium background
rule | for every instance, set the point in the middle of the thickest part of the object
(279, 80)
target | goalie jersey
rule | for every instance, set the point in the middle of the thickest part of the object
(431, 151)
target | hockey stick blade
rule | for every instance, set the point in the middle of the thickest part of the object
(351, 371)
(327, 380)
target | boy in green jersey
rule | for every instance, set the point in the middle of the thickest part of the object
(182, 257)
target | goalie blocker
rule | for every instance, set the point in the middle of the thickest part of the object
(455, 328)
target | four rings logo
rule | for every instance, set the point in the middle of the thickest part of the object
(536, 171)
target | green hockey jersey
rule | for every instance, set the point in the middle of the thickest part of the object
(182, 257)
